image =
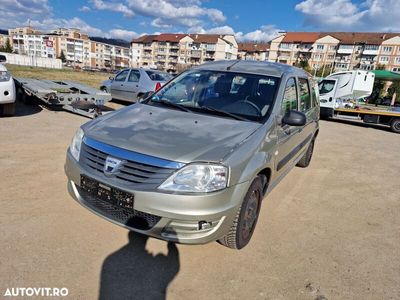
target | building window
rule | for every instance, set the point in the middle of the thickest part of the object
(341, 66)
(396, 69)
(387, 49)
(332, 47)
(320, 47)
(284, 46)
(384, 59)
(397, 60)
(371, 47)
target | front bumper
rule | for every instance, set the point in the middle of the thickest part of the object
(188, 219)
(7, 92)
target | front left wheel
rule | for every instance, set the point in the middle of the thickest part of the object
(246, 218)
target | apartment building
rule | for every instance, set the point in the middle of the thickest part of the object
(169, 51)
(74, 44)
(78, 48)
(252, 51)
(337, 51)
(105, 55)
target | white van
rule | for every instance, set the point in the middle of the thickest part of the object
(7, 90)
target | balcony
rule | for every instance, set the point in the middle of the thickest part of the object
(345, 50)
(370, 52)
(196, 53)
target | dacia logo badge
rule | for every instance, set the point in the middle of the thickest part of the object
(111, 165)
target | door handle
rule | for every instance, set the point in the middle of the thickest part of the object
(122, 84)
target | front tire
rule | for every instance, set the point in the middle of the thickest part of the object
(245, 221)
(304, 162)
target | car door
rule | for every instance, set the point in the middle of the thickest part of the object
(289, 137)
(131, 86)
(117, 91)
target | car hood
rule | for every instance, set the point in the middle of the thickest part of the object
(170, 134)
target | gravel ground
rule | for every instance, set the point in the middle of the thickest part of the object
(331, 231)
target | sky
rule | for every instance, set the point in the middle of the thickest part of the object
(248, 20)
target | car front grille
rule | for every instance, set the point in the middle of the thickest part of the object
(130, 173)
(131, 218)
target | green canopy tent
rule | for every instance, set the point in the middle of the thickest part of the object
(386, 75)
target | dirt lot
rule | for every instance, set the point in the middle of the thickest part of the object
(331, 231)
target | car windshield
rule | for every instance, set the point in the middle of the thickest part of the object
(158, 76)
(231, 94)
(325, 86)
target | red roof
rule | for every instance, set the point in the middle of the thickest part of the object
(301, 37)
(252, 47)
(371, 38)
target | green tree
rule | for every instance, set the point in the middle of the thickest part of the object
(62, 57)
(7, 47)
(394, 88)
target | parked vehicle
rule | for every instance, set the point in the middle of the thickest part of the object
(337, 87)
(131, 84)
(7, 90)
(192, 163)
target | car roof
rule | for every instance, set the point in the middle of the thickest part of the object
(253, 67)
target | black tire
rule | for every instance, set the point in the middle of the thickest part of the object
(304, 162)
(8, 109)
(395, 125)
(246, 218)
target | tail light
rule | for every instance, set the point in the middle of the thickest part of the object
(158, 86)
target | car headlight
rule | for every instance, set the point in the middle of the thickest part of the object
(75, 147)
(4, 76)
(197, 178)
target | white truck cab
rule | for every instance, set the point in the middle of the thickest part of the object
(339, 87)
(7, 90)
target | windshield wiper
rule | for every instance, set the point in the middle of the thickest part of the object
(171, 104)
(225, 113)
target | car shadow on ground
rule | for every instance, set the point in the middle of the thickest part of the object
(132, 272)
(22, 110)
(362, 124)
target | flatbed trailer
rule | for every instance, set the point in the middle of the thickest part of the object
(383, 117)
(69, 95)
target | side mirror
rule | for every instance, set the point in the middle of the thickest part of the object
(111, 78)
(294, 118)
(3, 58)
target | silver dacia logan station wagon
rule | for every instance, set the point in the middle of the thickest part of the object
(192, 162)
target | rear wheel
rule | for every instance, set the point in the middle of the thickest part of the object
(395, 125)
(8, 109)
(246, 218)
(304, 162)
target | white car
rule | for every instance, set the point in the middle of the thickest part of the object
(7, 91)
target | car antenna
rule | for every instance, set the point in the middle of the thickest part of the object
(229, 67)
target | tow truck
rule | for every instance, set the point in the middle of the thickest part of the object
(338, 94)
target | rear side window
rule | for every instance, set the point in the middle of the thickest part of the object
(158, 76)
(305, 96)
(121, 76)
(290, 96)
(134, 76)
